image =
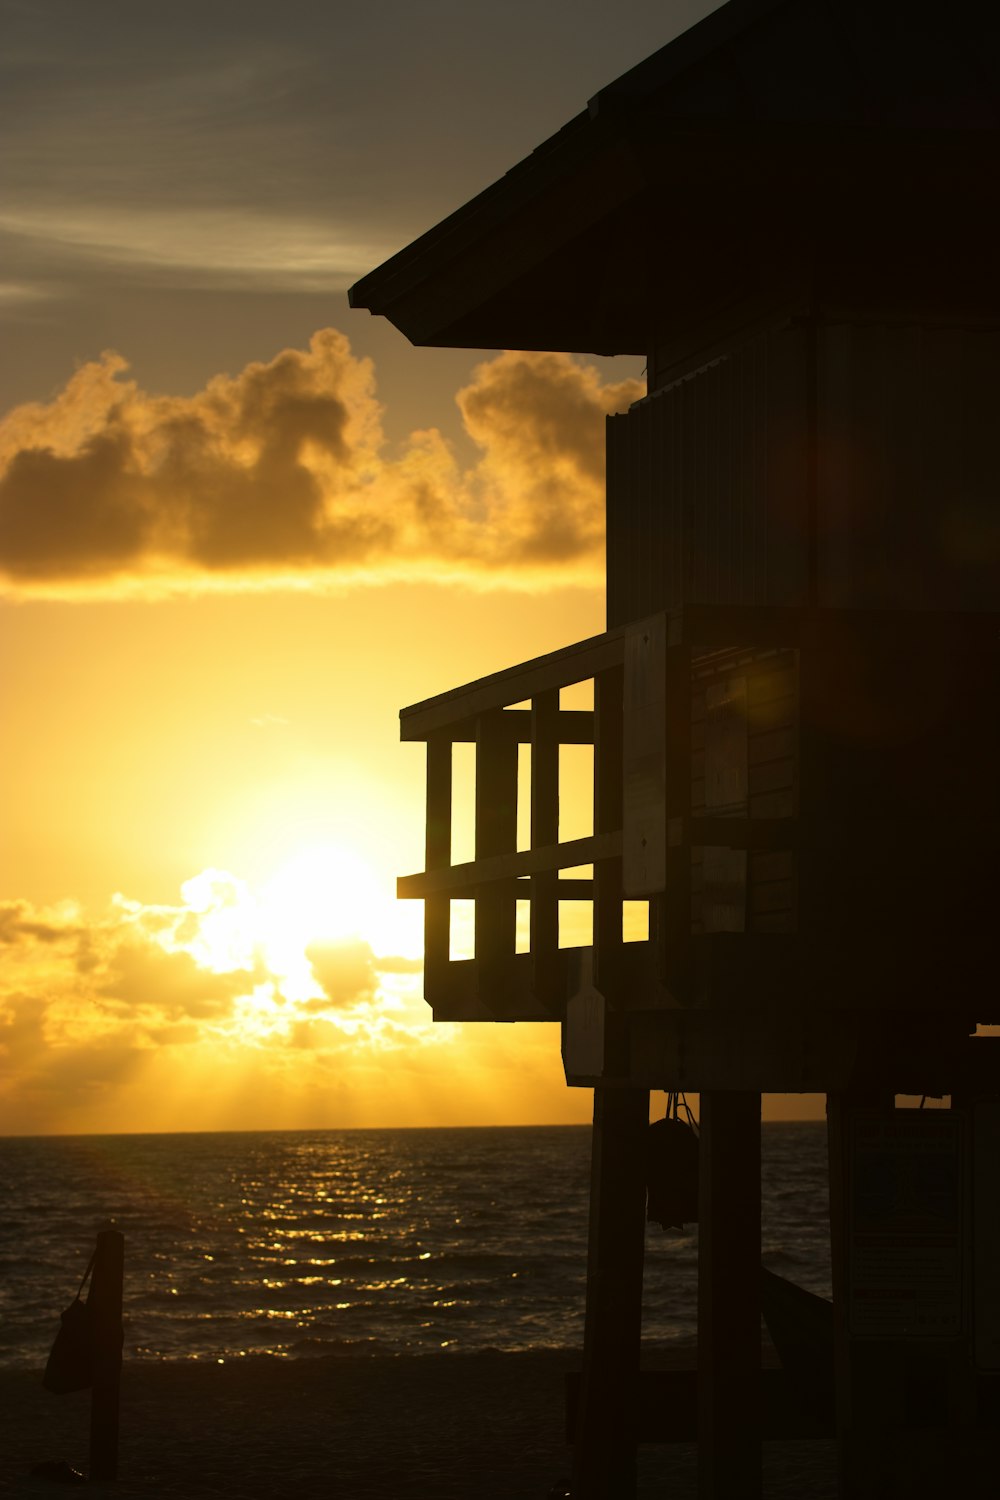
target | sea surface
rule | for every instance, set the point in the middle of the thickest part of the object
(298, 1243)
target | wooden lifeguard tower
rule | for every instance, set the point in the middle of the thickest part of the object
(791, 210)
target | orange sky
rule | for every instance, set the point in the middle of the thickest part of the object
(207, 801)
(226, 568)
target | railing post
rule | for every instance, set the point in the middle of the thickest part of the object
(105, 1300)
(545, 832)
(608, 801)
(437, 909)
(496, 833)
(676, 930)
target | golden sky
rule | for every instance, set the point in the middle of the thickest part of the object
(240, 527)
(217, 605)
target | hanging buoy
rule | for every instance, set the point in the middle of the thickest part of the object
(672, 1168)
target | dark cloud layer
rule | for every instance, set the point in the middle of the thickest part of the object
(293, 145)
(281, 473)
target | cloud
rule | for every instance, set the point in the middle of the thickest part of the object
(280, 476)
(345, 970)
(396, 963)
(89, 1001)
(142, 973)
(240, 245)
(14, 293)
(164, 1017)
(19, 922)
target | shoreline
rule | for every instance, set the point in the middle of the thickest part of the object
(446, 1426)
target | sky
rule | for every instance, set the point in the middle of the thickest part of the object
(241, 526)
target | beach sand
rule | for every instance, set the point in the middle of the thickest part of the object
(439, 1427)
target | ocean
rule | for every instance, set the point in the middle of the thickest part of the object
(297, 1243)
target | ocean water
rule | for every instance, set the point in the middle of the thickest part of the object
(306, 1242)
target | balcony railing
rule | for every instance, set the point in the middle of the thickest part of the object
(709, 725)
(499, 983)
(644, 828)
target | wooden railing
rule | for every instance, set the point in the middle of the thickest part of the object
(643, 826)
(499, 983)
(753, 896)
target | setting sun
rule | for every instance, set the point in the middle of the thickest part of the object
(243, 525)
(321, 893)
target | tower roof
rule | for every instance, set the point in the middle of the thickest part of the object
(772, 134)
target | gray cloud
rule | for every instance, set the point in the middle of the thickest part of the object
(302, 115)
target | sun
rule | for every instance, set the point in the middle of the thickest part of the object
(320, 894)
(330, 893)
(323, 894)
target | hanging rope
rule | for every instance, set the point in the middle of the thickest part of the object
(678, 1105)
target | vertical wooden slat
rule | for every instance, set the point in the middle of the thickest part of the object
(729, 571)
(760, 474)
(644, 822)
(496, 833)
(643, 580)
(678, 513)
(615, 431)
(724, 870)
(545, 831)
(604, 1453)
(633, 578)
(729, 1450)
(663, 507)
(676, 909)
(437, 856)
(608, 793)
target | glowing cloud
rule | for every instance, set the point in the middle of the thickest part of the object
(165, 1017)
(280, 476)
(222, 965)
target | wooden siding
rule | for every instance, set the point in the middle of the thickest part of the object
(851, 465)
(768, 691)
(908, 469)
(707, 486)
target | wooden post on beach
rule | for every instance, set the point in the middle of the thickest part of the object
(604, 1454)
(729, 1297)
(869, 1394)
(105, 1299)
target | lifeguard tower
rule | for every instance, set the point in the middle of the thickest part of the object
(791, 211)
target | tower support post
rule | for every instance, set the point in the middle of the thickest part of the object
(729, 1452)
(605, 1449)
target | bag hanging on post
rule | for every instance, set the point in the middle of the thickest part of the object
(672, 1167)
(70, 1364)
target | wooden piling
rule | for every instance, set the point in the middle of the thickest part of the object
(106, 1301)
(604, 1453)
(729, 1427)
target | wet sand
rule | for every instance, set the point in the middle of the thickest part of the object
(437, 1427)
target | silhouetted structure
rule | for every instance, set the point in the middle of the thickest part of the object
(87, 1354)
(791, 211)
(106, 1297)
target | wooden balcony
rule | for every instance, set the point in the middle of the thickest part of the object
(498, 983)
(778, 784)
